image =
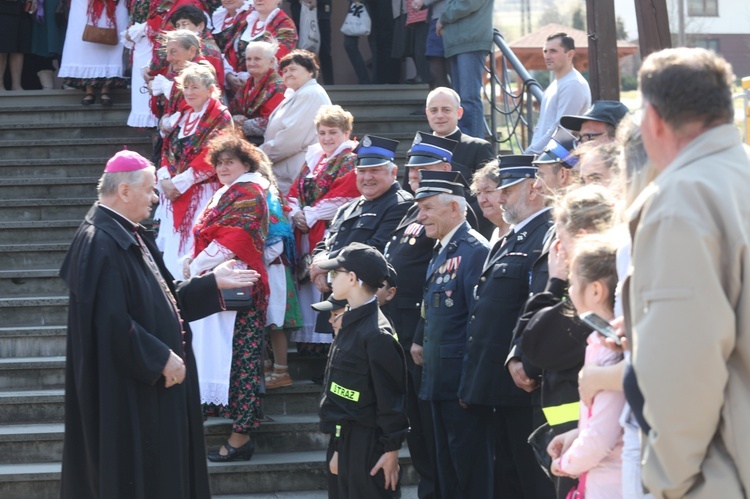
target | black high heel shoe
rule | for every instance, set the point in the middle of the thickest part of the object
(243, 453)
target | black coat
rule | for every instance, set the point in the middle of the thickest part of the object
(409, 251)
(365, 380)
(367, 222)
(126, 435)
(500, 295)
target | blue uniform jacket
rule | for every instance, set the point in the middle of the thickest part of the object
(447, 298)
(501, 293)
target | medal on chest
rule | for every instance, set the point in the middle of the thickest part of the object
(412, 232)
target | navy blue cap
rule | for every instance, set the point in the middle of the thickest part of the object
(428, 149)
(432, 183)
(604, 111)
(515, 168)
(375, 151)
(330, 304)
(560, 149)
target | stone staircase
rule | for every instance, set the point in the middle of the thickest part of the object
(52, 151)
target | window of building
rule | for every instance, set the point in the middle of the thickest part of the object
(707, 43)
(697, 8)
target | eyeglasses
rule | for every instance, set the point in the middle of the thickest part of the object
(332, 273)
(586, 137)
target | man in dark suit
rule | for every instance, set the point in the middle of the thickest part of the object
(499, 296)
(463, 453)
(409, 251)
(443, 110)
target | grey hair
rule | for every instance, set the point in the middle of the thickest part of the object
(446, 199)
(391, 166)
(184, 37)
(202, 73)
(109, 182)
(269, 49)
(444, 90)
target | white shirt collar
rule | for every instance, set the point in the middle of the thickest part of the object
(447, 238)
(521, 225)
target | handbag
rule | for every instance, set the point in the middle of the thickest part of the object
(416, 16)
(309, 34)
(239, 299)
(104, 36)
(357, 21)
(539, 441)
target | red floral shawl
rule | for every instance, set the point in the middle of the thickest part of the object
(194, 154)
(159, 13)
(338, 180)
(169, 104)
(239, 222)
(209, 52)
(98, 7)
(281, 28)
(258, 100)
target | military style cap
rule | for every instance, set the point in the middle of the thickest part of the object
(330, 304)
(514, 169)
(428, 149)
(368, 263)
(560, 149)
(604, 111)
(432, 183)
(375, 151)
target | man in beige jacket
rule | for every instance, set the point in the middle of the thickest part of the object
(687, 300)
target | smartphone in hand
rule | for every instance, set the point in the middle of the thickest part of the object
(598, 324)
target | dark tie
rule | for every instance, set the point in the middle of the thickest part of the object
(436, 250)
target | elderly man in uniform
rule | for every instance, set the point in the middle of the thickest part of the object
(370, 218)
(499, 297)
(687, 299)
(133, 422)
(598, 124)
(409, 251)
(462, 451)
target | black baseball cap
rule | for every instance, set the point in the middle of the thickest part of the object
(330, 304)
(604, 111)
(365, 261)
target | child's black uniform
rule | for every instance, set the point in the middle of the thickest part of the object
(364, 401)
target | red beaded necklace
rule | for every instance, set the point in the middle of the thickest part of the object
(258, 28)
(189, 127)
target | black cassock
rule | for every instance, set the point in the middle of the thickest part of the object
(126, 435)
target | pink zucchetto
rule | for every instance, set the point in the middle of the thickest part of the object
(126, 161)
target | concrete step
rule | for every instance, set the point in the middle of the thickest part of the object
(34, 311)
(52, 168)
(265, 473)
(32, 373)
(32, 341)
(72, 148)
(38, 231)
(23, 283)
(32, 256)
(12, 210)
(89, 129)
(39, 99)
(45, 188)
(72, 114)
(389, 123)
(46, 406)
(40, 443)
(47, 372)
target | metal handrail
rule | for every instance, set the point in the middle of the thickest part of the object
(510, 104)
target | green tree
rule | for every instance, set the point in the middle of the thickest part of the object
(579, 19)
(621, 33)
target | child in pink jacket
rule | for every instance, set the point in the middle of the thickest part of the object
(592, 452)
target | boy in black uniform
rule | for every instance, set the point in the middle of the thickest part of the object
(364, 397)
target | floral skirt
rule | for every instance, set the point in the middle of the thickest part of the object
(244, 406)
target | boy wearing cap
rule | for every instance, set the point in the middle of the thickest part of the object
(364, 398)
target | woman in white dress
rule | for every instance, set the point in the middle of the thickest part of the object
(88, 65)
